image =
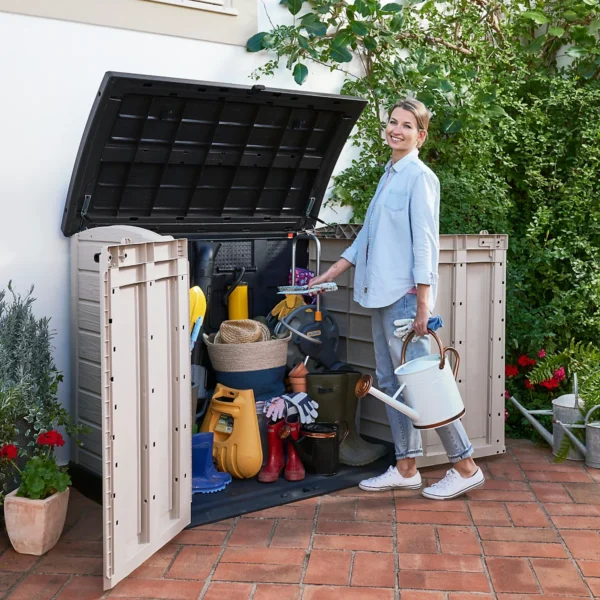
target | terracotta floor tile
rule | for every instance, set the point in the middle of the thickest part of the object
(253, 573)
(164, 589)
(38, 587)
(292, 534)
(419, 539)
(559, 476)
(288, 511)
(518, 534)
(273, 556)
(594, 583)
(566, 467)
(436, 562)
(375, 509)
(13, 561)
(346, 528)
(228, 591)
(550, 492)
(373, 570)
(506, 471)
(490, 495)
(582, 544)
(585, 493)
(423, 504)
(415, 595)
(327, 567)
(507, 485)
(461, 596)
(157, 564)
(572, 509)
(251, 532)
(353, 542)
(538, 549)
(433, 517)
(527, 515)
(356, 492)
(276, 592)
(558, 577)
(529, 597)
(589, 568)
(193, 562)
(337, 508)
(511, 575)
(8, 579)
(444, 580)
(88, 528)
(224, 525)
(458, 540)
(489, 513)
(345, 593)
(77, 565)
(201, 537)
(82, 588)
(588, 523)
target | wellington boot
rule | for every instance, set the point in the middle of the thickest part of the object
(276, 462)
(334, 392)
(294, 469)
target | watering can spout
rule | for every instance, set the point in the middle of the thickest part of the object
(575, 441)
(365, 386)
(536, 424)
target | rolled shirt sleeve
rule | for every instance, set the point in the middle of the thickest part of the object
(350, 254)
(424, 218)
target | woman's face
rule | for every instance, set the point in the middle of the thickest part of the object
(402, 132)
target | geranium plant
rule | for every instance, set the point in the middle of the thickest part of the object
(41, 476)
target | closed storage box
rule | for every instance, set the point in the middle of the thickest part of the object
(471, 302)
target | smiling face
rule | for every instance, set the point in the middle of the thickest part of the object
(403, 134)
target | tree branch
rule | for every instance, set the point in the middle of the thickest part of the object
(437, 40)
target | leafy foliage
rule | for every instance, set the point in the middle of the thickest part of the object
(29, 381)
(514, 90)
(41, 477)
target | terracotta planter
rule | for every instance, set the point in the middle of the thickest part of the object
(34, 526)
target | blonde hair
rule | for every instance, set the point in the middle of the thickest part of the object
(418, 109)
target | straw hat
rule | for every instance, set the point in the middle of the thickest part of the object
(242, 331)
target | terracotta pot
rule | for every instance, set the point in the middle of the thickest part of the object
(34, 526)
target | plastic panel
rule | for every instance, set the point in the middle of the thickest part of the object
(146, 401)
(471, 302)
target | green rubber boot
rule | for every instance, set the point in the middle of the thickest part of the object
(337, 401)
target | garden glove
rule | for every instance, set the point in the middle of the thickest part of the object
(404, 327)
(274, 408)
(304, 405)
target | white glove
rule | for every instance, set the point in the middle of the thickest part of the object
(274, 408)
(305, 406)
(404, 327)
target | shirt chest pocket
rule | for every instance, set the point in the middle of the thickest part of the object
(396, 200)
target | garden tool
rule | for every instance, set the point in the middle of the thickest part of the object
(275, 462)
(566, 409)
(205, 478)
(236, 298)
(338, 403)
(430, 391)
(197, 312)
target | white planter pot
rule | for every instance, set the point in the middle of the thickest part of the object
(34, 526)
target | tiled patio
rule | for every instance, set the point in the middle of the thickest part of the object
(532, 533)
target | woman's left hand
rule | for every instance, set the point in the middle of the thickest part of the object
(420, 323)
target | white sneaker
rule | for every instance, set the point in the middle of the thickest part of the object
(453, 485)
(390, 480)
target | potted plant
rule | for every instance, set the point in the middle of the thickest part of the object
(35, 512)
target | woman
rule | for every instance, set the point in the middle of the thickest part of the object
(396, 257)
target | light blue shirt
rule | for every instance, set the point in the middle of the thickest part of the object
(398, 245)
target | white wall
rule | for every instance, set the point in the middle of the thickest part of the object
(50, 73)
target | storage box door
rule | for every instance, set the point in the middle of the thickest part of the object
(146, 401)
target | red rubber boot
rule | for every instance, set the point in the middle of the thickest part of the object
(294, 470)
(275, 463)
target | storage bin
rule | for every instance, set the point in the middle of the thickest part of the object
(471, 302)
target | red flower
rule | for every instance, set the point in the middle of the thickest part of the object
(542, 353)
(511, 370)
(8, 451)
(550, 384)
(506, 394)
(528, 384)
(559, 374)
(505, 414)
(51, 438)
(525, 361)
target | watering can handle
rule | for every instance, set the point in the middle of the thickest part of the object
(587, 417)
(440, 346)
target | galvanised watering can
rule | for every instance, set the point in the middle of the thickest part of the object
(591, 450)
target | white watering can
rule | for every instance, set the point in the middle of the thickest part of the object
(428, 385)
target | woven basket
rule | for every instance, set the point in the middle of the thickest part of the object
(242, 331)
(256, 356)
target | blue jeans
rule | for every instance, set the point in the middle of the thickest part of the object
(388, 351)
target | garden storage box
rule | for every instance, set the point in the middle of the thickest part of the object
(471, 302)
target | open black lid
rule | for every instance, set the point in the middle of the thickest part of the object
(184, 157)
